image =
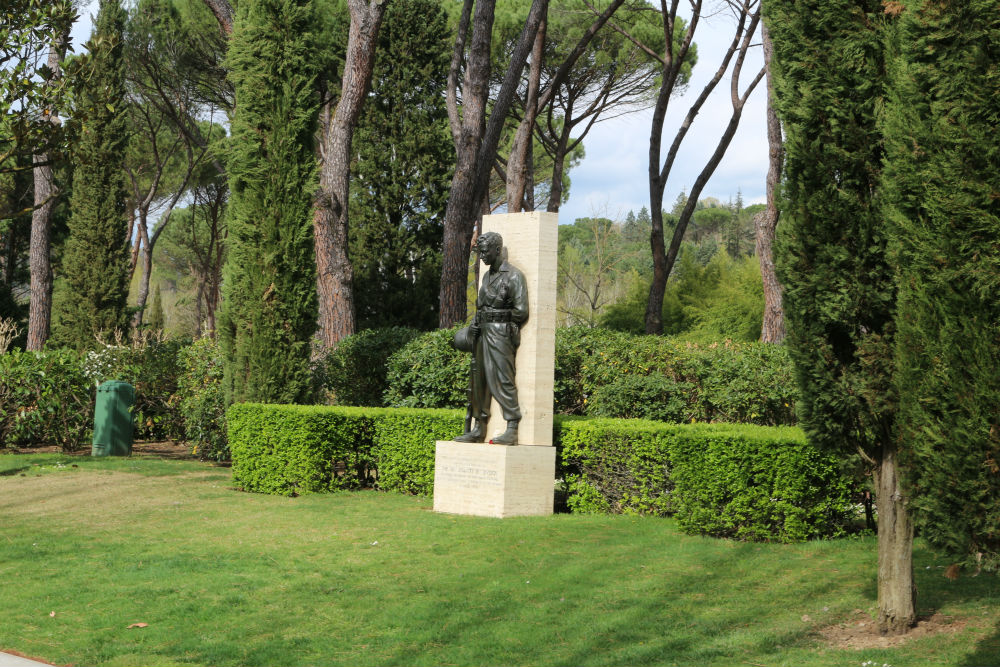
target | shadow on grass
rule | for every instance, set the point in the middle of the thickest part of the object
(13, 471)
(987, 653)
(705, 616)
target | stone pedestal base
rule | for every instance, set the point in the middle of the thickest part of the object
(494, 480)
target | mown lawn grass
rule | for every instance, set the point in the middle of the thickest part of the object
(227, 578)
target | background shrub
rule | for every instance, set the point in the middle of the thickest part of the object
(201, 400)
(45, 399)
(724, 382)
(356, 371)
(655, 397)
(428, 373)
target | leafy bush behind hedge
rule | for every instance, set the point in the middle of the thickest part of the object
(606, 373)
(356, 370)
(725, 480)
(45, 399)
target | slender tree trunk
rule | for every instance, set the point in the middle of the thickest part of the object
(223, 12)
(519, 163)
(897, 592)
(334, 275)
(558, 165)
(766, 222)
(39, 259)
(663, 262)
(146, 265)
(40, 308)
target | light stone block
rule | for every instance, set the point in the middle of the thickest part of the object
(494, 480)
(532, 240)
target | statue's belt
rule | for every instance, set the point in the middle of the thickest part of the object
(494, 315)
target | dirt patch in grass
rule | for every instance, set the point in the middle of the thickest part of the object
(165, 449)
(861, 631)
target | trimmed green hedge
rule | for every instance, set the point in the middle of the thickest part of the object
(724, 480)
(290, 450)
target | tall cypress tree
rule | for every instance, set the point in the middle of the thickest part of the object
(398, 196)
(943, 182)
(829, 63)
(269, 310)
(92, 295)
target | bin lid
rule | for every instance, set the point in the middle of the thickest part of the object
(114, 385)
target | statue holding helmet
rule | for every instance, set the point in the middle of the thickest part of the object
(493, 338)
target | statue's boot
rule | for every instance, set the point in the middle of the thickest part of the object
(508, 437)
(477, 434)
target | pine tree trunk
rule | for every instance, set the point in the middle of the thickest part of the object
(558, 164)
(334, 275)
(39, 259)
(897, 592)
(766, 222)
(40, 308)
(519, 163)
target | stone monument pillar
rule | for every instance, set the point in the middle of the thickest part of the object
(499, 480)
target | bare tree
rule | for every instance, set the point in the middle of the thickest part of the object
(766, 222)
(746, 15)
(334, 274)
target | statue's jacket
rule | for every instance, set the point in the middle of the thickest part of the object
(501, 309)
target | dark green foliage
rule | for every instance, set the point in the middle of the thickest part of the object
(45, 399)
(269, 310)
(295, 449)
(428, 373)
(405, 157)
(943, 186)
(94, 284)
(734, 382)
(745, 482)
(201, 400)
(654, 397)
(356, 369)
(831, 251)
(731, 382)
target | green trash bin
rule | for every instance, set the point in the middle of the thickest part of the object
(113, 419)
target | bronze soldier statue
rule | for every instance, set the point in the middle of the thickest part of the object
(493, 338)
